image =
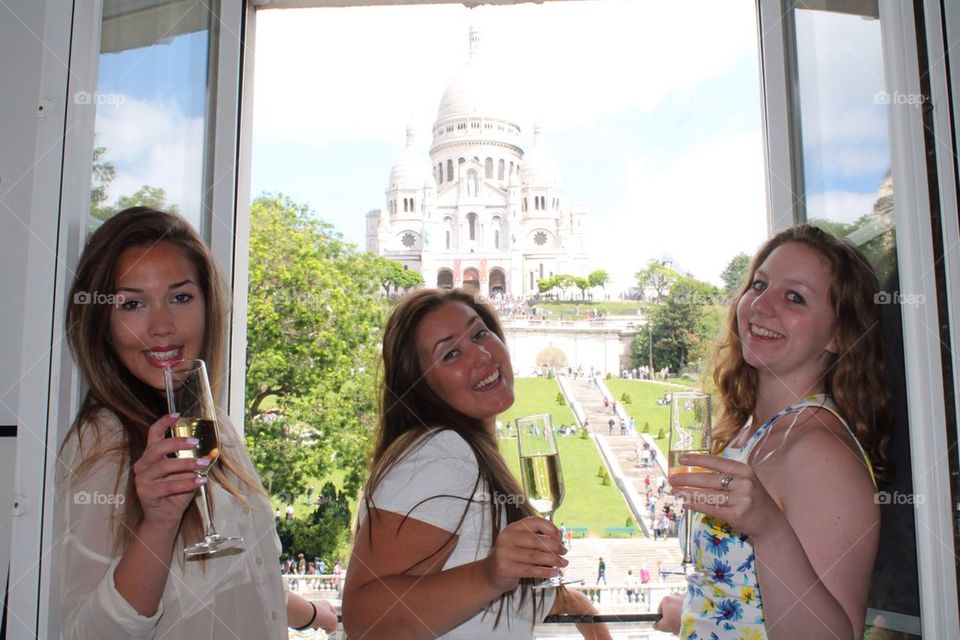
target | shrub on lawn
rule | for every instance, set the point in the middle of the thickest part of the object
(660, 434)
(625, 398)
(560, 400)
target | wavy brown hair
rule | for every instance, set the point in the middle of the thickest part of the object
(111, 386)
(409, 410)
(856, 375)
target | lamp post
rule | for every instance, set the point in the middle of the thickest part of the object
(650, 345)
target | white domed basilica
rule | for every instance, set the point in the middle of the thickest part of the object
(483, 213)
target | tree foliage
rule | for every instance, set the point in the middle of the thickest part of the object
(313, 330)
(320, 534)
(683, 328)
(656, 276)
(734, 274)
(599, 278)
(394, 277)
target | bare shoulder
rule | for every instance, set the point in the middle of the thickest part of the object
(819, 460)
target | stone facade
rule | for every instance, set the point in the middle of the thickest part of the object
(481, 211)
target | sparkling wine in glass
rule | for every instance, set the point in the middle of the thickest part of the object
(689, 433)
(540, 473)
(188, 393)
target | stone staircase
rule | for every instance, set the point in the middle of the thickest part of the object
(623, 447)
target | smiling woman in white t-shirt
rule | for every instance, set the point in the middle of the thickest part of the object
(446, 544)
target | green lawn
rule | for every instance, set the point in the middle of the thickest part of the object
(643, 406)
(587, 502)
(537, 395)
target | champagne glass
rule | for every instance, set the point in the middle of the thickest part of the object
(541, 474)
(689, 433)
(188, 392)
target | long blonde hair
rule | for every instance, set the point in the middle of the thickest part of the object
(409, 409)
(856, 375)
(111, 385)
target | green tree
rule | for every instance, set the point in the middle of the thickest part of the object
(320, 534)
(313, 332)
(546, 285)
(656, 276)
(395, 277)
(147, 196)
(734, 274)
(103, 174)
(599, 278)
(580, 283)
(682, 328)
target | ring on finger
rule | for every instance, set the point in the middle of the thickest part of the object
(725, 481)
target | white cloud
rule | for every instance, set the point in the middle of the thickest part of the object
(841, 71)
(337, 74)
(841, 206)
(153, 143)
(702, 208)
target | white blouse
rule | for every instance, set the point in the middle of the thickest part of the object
(238, 594)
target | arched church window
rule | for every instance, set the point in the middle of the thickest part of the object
(496, 238)
(472, 222)
(540, 239)
(449, 170)
(447, 239)
(488, 168)
(524, 204)
(439, 175)
(500, 166)
(541, 271)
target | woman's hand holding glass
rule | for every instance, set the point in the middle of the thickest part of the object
(730, 491)
(528, 548)
(669, 611)
(165, 485)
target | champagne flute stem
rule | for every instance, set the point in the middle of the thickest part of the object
(688, 536)
(203, 501)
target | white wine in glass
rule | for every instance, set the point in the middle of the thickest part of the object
(541, 474)
(188, 393)
(689, 433)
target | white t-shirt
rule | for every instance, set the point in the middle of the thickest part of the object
(433, 483)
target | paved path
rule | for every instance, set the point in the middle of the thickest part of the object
(623, 447)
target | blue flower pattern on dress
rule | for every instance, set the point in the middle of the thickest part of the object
(724, 603)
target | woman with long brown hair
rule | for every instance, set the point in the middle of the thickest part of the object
(147, 293)
(447, 545)
(786, 523)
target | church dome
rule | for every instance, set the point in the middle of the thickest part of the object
(411, 170)
(474, 92)
(539, 168)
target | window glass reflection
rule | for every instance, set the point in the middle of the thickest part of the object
(848, 189)
(151, 104)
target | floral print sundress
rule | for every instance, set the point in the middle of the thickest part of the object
(724, 603)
